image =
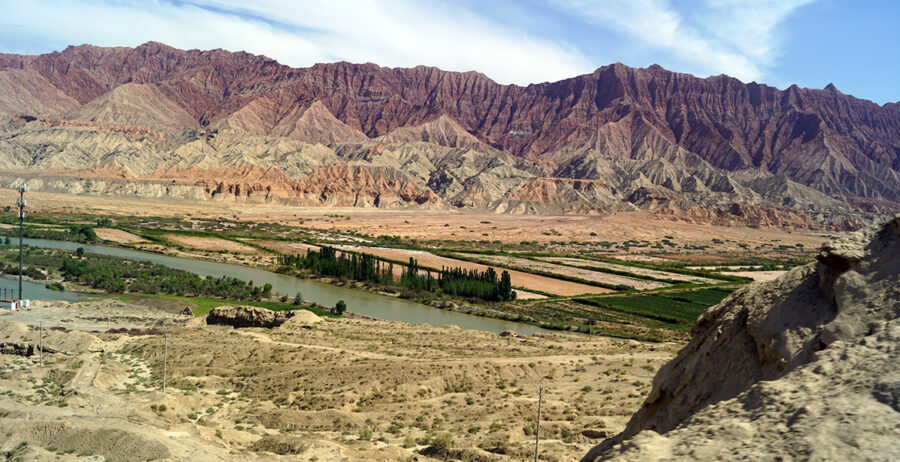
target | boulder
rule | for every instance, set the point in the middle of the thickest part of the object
(803, 367)
(247, 316)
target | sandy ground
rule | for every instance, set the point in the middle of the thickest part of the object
(436, 225)
(209, 243)
(518, 278)
(757, 275)
(117, 235)
(286, 247)
(643, 258)
(90, 315)
(342, 390)
(581, 273)
(630, 269)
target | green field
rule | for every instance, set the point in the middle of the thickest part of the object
(677, 310)
(202, 305)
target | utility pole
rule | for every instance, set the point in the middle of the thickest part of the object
(21, 203)
(537, 430)
(41, 344)
(165, 358)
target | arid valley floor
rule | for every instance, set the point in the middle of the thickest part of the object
(337, 388)
(347, 388)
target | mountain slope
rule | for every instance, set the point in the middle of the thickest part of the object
(135, 104)
(716, 134)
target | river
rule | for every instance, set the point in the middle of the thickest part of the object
(365, 303)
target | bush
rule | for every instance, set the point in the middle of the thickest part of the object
(340, 307)
(443, 442)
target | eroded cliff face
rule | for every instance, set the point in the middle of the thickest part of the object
(806, 366)
(653, 136)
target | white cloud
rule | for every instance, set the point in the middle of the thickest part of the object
(735, 37)
(301, 33)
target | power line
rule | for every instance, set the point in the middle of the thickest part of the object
(21, 204)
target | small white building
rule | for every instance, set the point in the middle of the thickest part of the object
(9, 304)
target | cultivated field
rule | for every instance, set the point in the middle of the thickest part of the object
(294, 248)
(518, 278)
(585, 274)
(208, 243)
(582, 263)
(118, 236)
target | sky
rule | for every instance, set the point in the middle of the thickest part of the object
(853, 44)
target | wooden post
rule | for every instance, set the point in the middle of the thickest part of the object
(537, 430)
(165, 358)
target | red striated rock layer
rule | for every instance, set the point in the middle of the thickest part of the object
(133, 132)
(338, 185)
(835, 143)
(110, 169)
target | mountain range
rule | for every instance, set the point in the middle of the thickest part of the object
(156, 121)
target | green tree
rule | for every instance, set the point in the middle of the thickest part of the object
(506, 292)
(79, 252)
(298, 299)
(340, 307)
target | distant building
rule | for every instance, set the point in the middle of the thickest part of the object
(9, 304)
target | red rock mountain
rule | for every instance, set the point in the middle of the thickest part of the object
(712, 135)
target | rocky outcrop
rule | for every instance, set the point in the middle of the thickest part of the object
(746, 215)
(806, 366)
(247, 316)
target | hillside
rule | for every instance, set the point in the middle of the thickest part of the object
(653, 137)
(804, 367)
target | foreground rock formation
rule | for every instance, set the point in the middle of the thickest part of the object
(803, 367)
(247, 316)
(161, 122)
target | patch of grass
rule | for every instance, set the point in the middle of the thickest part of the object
(203, 305)
(678, 310)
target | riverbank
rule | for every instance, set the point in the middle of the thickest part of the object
(363, 303)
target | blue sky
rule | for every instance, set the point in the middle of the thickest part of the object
(855, 45)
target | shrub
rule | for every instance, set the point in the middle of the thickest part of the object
(443, 442)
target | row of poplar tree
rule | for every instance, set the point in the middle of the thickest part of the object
(327, 261)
